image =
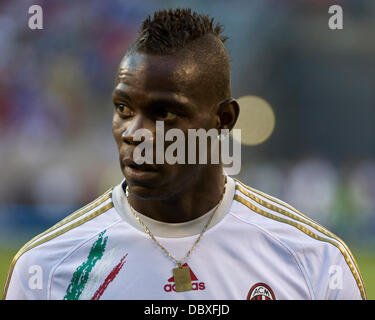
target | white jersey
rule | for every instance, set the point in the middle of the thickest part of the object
(256, 247)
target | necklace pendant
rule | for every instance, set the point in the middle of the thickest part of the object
(182, 278)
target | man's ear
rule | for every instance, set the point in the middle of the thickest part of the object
(228, 113)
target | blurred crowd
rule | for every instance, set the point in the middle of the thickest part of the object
(56, 147)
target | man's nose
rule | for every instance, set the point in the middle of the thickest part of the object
(138, 130)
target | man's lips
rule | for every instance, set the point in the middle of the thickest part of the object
(128, 162)
(139, 172)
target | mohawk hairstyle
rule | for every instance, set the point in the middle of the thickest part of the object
(172, 29)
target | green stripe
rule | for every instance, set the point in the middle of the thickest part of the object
(81, 275)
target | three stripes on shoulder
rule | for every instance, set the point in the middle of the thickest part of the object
(295, 220)
(72, 221)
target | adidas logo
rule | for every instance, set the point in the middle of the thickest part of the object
(169, 287)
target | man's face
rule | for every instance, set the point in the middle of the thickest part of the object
(158, 88)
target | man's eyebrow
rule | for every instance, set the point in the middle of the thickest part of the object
(122, 94)
(170, 102)
(178, 102)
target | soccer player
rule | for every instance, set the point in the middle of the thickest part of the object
(181, 231)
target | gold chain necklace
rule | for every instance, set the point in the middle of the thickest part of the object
(181, 274)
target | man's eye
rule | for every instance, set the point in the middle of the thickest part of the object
(167, 115)
(124, 110)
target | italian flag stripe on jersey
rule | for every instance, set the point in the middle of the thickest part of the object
(82, 273)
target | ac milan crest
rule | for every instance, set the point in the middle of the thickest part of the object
(260, 291)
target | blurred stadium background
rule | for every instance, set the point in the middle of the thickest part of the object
(56, 148)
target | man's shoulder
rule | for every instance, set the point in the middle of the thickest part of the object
(83, 219)
(311, 244)
(291, 228)
(47, 248)
(277, 216)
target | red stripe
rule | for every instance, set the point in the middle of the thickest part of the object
(112, 275)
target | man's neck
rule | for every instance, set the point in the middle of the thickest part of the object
(200, 196)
